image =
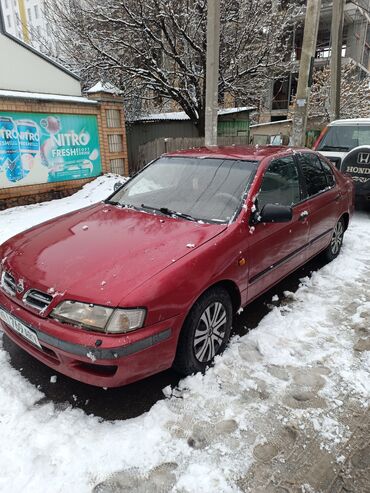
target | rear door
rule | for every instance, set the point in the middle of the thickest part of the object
(323, 198)
(276, 249)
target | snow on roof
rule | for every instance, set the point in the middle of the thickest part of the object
(272, 123)
(182, 116)
(230, 111)
(104, 87)
(45, 97)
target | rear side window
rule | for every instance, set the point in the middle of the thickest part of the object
(280, 184)
(330, 180)
(313, 173)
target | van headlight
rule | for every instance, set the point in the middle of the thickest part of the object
(100, 318)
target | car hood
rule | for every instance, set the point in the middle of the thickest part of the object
(101, 253)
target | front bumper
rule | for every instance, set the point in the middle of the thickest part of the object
(93, 358)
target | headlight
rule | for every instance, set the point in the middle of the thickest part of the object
(100, 318)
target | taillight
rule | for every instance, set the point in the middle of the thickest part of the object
(319, 139)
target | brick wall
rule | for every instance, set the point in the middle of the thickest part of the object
(113, 160)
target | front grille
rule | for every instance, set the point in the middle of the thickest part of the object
(37, 299)
(8, 283)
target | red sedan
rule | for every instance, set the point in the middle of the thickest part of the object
(152, 276)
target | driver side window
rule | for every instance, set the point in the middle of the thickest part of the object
(280, 184)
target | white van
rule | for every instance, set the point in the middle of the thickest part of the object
(341, 136)
(347, 144)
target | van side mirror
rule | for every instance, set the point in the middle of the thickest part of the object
(273, 213)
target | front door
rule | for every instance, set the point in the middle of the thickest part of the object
(276, 249)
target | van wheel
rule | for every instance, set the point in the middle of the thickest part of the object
(333, 250)
(205, 332)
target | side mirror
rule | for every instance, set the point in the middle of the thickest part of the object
(272, 213)
(117, 185)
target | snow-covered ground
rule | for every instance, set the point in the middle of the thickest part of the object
(289, 381)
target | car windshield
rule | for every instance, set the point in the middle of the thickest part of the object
(343, 138)
(206, 189)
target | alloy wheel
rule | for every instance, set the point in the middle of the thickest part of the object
(337, 238)
(210, 332)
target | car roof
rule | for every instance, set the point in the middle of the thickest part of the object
(242, 152)
(350, 121)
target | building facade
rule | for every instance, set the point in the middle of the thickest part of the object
(355, 48)
(25, 19)
(53, 139)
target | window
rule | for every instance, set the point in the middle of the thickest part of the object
(345, 137)
(6, 4)
(313, 173)
(113, 118)
(29, 14)
(115, 143)
(280, 184)
(209, 189)
(9, 21)
(117, 166)
(330, 180)
(36, 9)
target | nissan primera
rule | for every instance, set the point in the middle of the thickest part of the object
(151, 277)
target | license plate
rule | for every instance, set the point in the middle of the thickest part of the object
(20, 328)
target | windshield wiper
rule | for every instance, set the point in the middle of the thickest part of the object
(121, 204)
(169, 212)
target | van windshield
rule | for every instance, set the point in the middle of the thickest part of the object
(345, 137)
(190, 188)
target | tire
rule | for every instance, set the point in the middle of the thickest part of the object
(333, 250)
(202, 337)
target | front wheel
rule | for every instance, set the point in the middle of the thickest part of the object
(333, 250)
(205, 332)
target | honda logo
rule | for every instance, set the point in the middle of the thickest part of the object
(363, 158)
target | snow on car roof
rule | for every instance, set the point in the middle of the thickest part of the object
(349, 121)
(244, 152)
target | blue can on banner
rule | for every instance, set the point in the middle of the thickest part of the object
(29, 143)
(10, 156)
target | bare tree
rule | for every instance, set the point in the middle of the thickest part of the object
(156, 49)
(355, 93)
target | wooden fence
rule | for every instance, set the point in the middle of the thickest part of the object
(152, 150)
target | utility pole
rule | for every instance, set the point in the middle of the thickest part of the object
(212, 68)
(311, 27)
(336, 57)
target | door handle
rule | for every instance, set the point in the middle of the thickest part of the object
(303, 215)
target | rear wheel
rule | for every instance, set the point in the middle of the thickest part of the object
(333, 250)
(205, 332)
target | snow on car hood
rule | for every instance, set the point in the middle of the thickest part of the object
(101, 253)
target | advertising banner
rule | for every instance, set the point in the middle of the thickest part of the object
(43, 148)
